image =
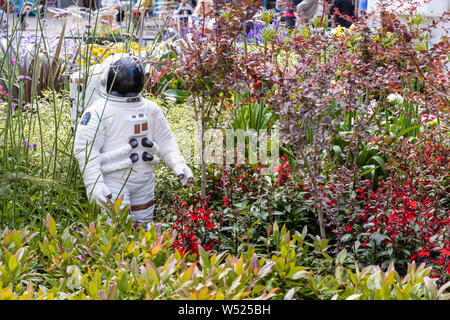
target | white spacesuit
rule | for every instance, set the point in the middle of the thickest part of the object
(118, 139)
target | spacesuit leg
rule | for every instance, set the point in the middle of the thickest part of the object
(143, 203)
(117, 188)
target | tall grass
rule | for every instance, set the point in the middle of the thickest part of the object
(38, 173)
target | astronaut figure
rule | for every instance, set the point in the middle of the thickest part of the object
(119, 137)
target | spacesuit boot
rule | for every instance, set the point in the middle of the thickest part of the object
(121, 137)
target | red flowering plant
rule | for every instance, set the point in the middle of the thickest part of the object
(407, 217)
(194, 222)
(251, 202)
(241, 204)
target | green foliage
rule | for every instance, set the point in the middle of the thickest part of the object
(98, 260)
(370, 160)
(60, 247)
(251, 116)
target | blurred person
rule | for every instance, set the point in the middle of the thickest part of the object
(91, 4)
(306, 10)
(3, 20)
(115, 4)
(185, 8)
(139, 9)
(278, 5)
(289, 12)
(342, 11)
(204, 8)
(23, 8)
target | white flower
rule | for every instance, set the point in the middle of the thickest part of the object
(395, 97)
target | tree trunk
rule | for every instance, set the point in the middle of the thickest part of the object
(316, 194)
(203, 160)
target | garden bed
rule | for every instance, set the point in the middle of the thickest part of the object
(353, 205)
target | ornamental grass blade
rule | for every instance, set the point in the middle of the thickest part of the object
(58, 48)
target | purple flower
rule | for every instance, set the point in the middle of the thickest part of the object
(30, 39)
(61, 14)
(23, 78)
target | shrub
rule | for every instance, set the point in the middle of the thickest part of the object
(407, 216)
(98, 260)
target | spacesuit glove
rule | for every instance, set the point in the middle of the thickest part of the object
(185, 175)
(100, 193)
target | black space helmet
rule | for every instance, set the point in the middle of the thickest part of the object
(125, 78)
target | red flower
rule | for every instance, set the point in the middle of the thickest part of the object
(423, 253)
(226, 202)
(210, 225)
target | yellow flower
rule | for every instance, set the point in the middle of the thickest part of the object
(337, 31)
(99, 53)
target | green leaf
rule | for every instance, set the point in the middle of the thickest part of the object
(152, 271)
(258, 289)
(187, 274)
(175, 95)
(93, 289)
(123, 282)
(369, 171)
(379, 160)
(299, 274)
(405, 131)
(51, 225)
(323, 244)
(12, 263)
(266, 269)
(340, 258)
(204, 260)
(337, 150)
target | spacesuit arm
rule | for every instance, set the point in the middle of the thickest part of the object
(89, 139)
(168, 148)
